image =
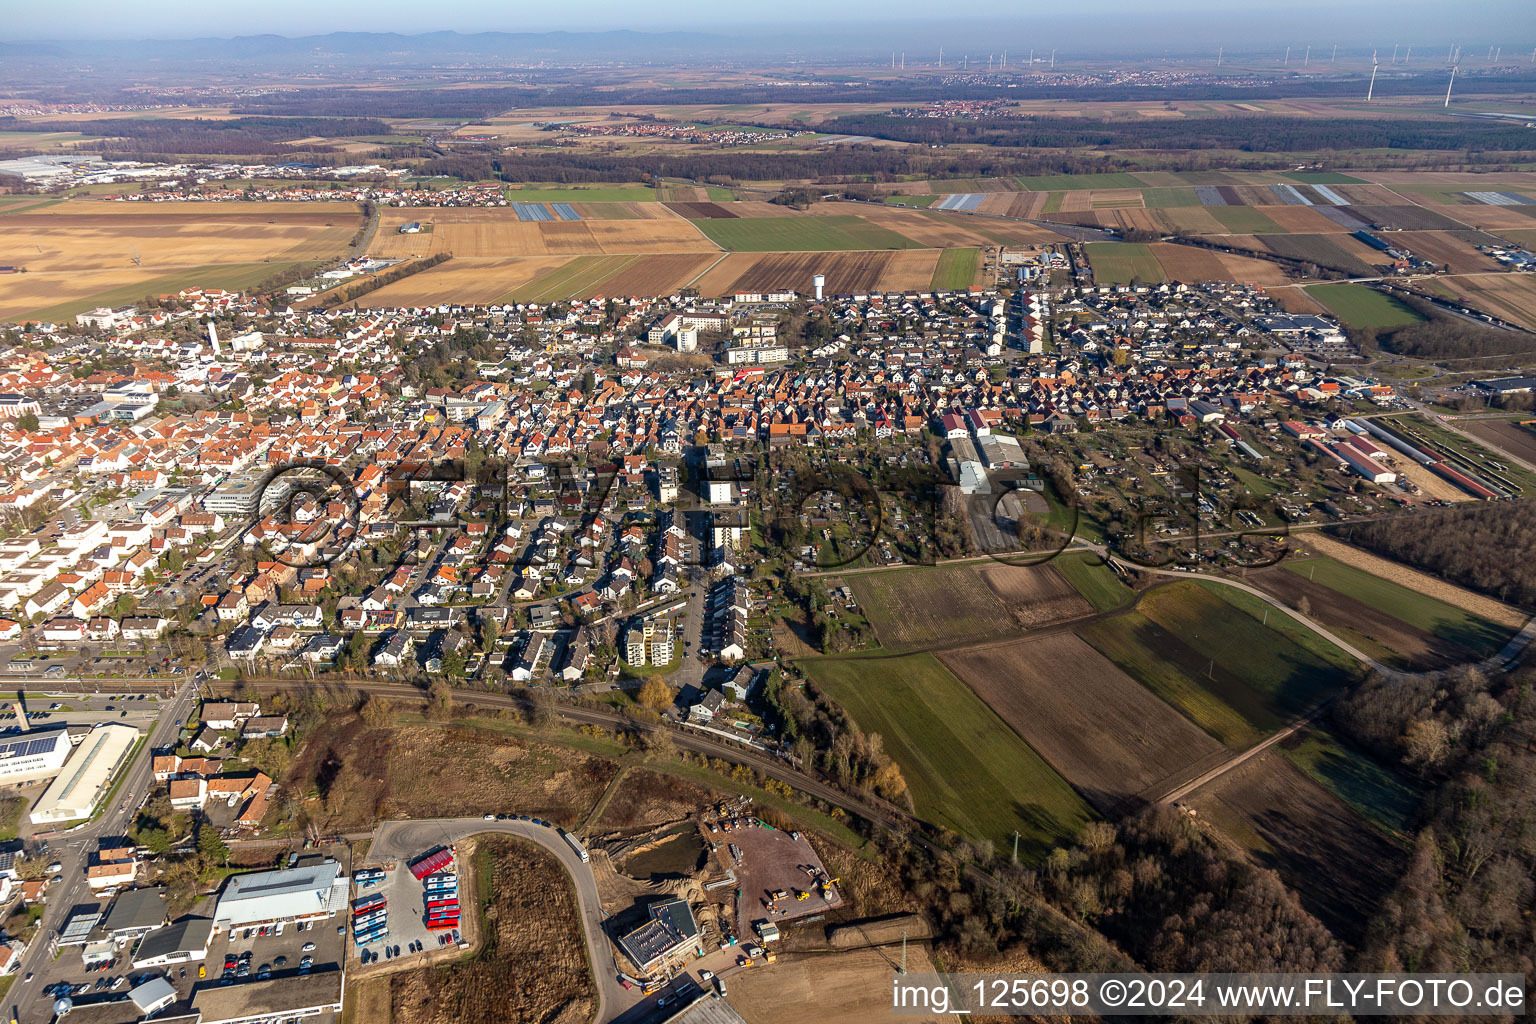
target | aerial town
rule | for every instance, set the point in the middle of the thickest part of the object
(578, 534)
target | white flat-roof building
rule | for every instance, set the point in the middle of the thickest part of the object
(306, 893)
(87, 775)
(30, 756)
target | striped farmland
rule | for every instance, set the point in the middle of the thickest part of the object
(565, 211)
(532, 211)
(1330, 195)
(1210, 195)
(1290, 196)
(960, 201)
(1501, 198)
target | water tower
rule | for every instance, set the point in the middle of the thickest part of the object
(819, 281)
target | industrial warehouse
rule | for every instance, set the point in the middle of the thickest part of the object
(87, 775)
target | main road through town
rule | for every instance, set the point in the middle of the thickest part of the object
(72, 848)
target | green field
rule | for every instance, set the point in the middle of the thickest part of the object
(1420, 611)
(923, 606)
(1359, 306)
(966, 769)
(1244, 220)
(1093, 579)
(1161, 198)
(1124, 263)
(802, 234)
(1379, 795)
(1217, 663)
(583, 194)
(237, 277)
(956, 269)
(581, 273)
(917, 201)
(1072, 182)
(1322, 178)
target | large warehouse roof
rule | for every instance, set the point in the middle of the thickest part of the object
(87, 775)
(29, 756)
(318, 889)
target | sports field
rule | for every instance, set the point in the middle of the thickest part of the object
(966, 769)
(801, 234)
(1359, 306)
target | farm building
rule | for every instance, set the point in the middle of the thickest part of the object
(309, 893)
(411, 228)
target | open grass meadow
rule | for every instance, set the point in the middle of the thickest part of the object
(1379, 794)
(1123, 263)
(1359, 306)
(1093, 579)
(956, 270)
(1443, 620)
(1218, 663)
(966, 769)
(931, 605)
(801, 234)
(1244, 220)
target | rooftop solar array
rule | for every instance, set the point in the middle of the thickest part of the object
(29, 746)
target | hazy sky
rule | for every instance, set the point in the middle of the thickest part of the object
(1172, 24)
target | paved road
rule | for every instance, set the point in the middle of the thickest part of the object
(73, 848)
(403, 840)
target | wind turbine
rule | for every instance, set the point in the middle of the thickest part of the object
(1449, 84)
(1370, 91)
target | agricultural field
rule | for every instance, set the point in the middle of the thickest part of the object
(79, 254)
(1510, 296)
(801, 234)
(1110, 737)
(966, 769)
(533, 965)
(1456, 632)
(496, 232)
(846, 272)
(956, 269)
(1509, 435)
(582, 194)
(1360, 307)
(467, 280)
(1037, 595)
(1339, 864)
(827, 988)
(1223, 668)
(1455, 250)
(924, 606)
(1379, 794)
(1068, 182)
(1123, 263)
(940, 230)
(1098, 584)
(1243, 220)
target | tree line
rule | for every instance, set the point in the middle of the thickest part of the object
(1487, 548)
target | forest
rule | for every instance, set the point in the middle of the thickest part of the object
(1485, 548)
(161, 136)
(1245, 133)
(1441, 336)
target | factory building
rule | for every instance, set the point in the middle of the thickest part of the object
(312, 892)
(87, 775)
(31, 756)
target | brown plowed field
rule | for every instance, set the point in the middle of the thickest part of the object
(1511, 296)
(701, 211)
(1186, 263)
(1036, 595)
(469, 280)
(1338, 862)
(909, 270)
(1409, 218)
(760, 272)
(1229, 195)
(1368, 195)
(940, 230)
(1510, 436)
(1445, 247)
(1302, 219)
(1104, 732)
(1418, 649)
(1255, 195)
(496, 232)
(1014, 204)
(1489, 218)
(1135, 219)
(1189, 220)
(656, 275)
(1255, 271)
(1294, 300)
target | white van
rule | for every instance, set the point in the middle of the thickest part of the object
(280, 926)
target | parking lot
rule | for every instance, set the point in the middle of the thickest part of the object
(281, 955)
(407, 919)
(769, 861)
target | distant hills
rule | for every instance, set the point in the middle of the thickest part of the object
(393, 47)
